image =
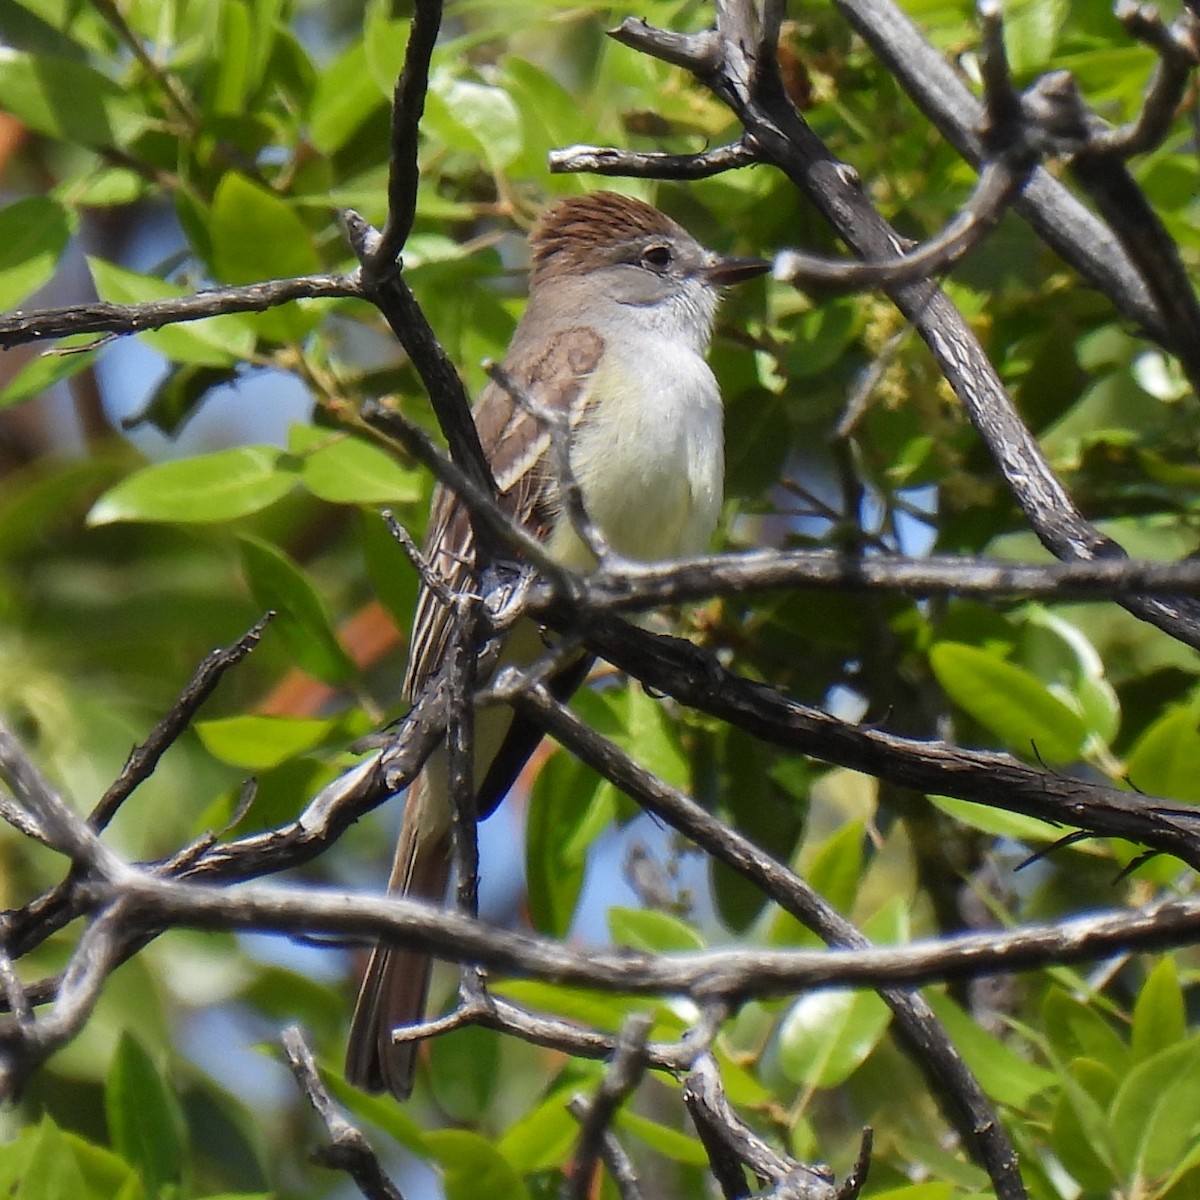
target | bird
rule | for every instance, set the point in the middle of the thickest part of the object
(613, 338)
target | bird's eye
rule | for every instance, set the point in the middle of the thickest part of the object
(657, 258)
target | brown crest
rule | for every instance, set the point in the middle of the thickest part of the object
(569, 233)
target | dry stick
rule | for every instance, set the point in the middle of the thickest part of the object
(730, 1143)
(635, 586)
(612, 1154)
(144, 758)
(486, 515)
(408, 105)
(17, 328)
(322, 822)
(999, 185)
(931, 1050)
(619, 1083)
(732, 975)
(604, 160)
(348, 1149)
(399, 307)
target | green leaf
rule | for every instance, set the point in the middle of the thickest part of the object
(996, 822)
(473, 117)
(209, 487)
(673, 1144)
(211, 341)
(1159, 1017)
(568, 807)
(179, 394)
(463, 1072)
(105, 1174)
(386, 42)
(601, 1010)
(828, 1034)
(233, 63)
(472, 1167)
(1165, 760)
(48, 368)
(1156, 1114)
(1006, 1076)
(66, 100)
(1078, 1030)
(543, 1137)
(644, 729)
(1009, 701)
(257, 743)
(39, 1165)
(1079, 1131)
(33, 234)
(834, 872)
(652, 931)
(256, 235)
(144, 1123)
(346, 96)
(301, 619)
(344, 469)
(1031, 29)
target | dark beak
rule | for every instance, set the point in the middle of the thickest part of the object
(721, 272)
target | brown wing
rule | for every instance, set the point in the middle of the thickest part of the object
(555, 374)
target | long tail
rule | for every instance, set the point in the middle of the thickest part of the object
(396, 984)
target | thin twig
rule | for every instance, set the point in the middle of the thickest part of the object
(18, 327)
(408, 104)
(348, 1149)
(620, 1080)
(144, 758)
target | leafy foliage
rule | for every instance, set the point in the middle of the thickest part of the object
(243, 127)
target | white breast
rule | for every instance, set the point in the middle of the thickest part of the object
(649, 458)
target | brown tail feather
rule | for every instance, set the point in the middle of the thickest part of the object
(396, 984)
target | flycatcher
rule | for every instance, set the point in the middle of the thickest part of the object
(614, 336)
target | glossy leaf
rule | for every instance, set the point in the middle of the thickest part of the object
(344, 469)
(651, 931)
(829, 1033)
(1165, 761)
(1009, 701)
(301, 618)
(1159, 1017)
(472, 1167)
(33, 234)
(143, 1120)
(66, 99)
(209, 487)
(257, 743)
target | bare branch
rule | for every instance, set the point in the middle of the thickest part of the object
(143, 759)
(619, 1165)
(408, 105)
(736, 974)
(730, 1143)
(607, 160)
(348, 1150)
(595, 1116)
(17, 328)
